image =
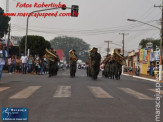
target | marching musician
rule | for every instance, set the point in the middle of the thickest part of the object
(51, 65)
(118, 64)
(95, 63)
(73, 62)
(53, 60)
(88, 62)
(107, 65)
(56, 63)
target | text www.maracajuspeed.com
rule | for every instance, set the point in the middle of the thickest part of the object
(37, 14)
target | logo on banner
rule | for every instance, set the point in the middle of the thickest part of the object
(14, 114)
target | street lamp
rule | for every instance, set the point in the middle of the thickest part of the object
(74, 9)
(160, 66)
(133, 20)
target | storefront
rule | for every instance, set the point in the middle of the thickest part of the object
(144, 60)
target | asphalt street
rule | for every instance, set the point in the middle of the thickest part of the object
(80, 99)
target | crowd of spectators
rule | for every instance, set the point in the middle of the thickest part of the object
(130, 69)
(26, 64)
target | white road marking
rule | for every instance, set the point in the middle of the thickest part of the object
(161, 91)
(99, 92)
(136, 94)
(27, 92)
(3, 88)
(63, 91)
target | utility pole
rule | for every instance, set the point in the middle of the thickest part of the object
(123, 41)
(8, 41)
(123, 46)
(108, 46)
(7, 6)
(161, 33)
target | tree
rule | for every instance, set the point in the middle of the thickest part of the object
(47, 44)
(67, 43)
(4, 23)
(153, 41)
(36, 44)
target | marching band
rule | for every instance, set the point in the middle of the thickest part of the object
(112, 63)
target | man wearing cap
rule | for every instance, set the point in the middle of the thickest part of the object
(3, 55)
(73, 62)
(95, 63)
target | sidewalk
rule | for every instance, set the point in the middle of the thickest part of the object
(141, 76)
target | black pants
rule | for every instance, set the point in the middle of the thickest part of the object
(51, 69)
(72, 70)
(95, 71)
(24, 68)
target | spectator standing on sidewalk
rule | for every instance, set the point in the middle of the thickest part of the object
(148, 70)
(45, 63)
(42, 66)
(24, 60)
(30, 64)
(18, 65)
(9, 61)
(3, 55)
(13, 63)
(137, 71)
(36, 63)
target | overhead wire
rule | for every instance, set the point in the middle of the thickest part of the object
(118, 28)
(85, 32)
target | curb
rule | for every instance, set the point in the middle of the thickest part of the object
(140, 77)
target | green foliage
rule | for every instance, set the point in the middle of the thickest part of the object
(4, 23)
(47, 44)
(67, 43)
(36, 44)
(145, 41)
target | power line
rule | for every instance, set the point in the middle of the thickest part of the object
(83, 33)
(121, 28)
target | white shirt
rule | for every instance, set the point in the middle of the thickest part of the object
(2, 61)
(24, 59)
(9, 61)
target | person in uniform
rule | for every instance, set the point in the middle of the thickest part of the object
(118, 69)
(95, 63)
(51, 65)
(56, 64)
(73, 62)
(89, 63)
(107, 68)
(112, 67)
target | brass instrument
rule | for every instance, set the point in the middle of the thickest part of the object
(50, 56)
(72, 55)
(118, 58)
